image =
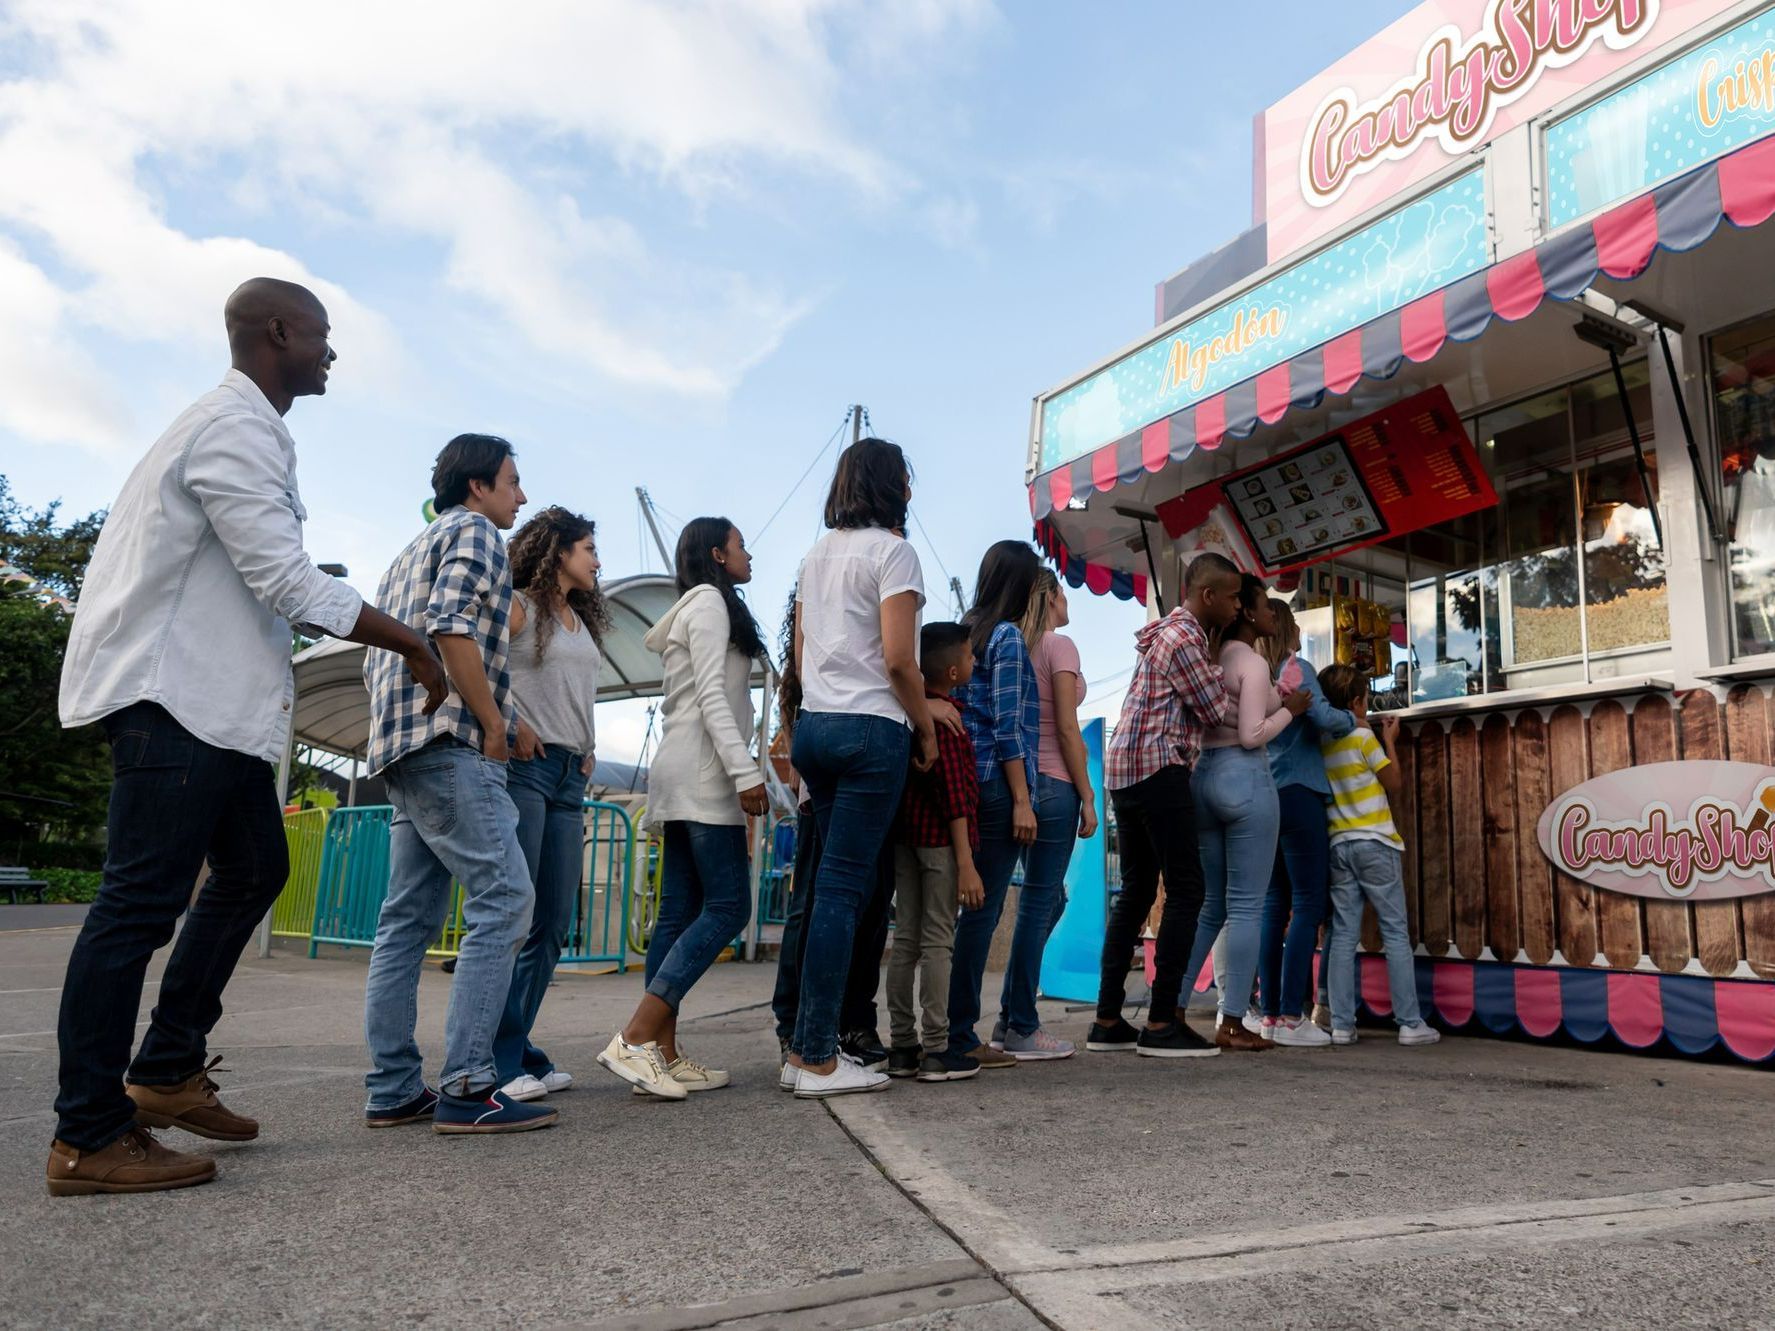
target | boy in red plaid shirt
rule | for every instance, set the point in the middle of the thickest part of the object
(934, 873)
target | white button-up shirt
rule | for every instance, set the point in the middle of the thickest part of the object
(197, 577)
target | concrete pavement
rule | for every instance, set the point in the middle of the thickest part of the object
(1475, 1183)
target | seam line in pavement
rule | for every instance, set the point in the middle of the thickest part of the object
(979, 1259)
(826, 1295)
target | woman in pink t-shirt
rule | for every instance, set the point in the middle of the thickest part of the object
(1065, 809)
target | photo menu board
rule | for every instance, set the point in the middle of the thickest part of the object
(1305, 505)
(1402, 469)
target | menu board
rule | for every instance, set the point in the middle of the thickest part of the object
(1304, 505)
(1399, 470)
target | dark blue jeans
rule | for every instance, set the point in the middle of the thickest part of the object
(550, 794)
(1296, 904)
(854, 767)
(857, 1012)
(997, 861)
(1040, 900)
(705, 899)
(175, 802)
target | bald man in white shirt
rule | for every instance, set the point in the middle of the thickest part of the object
(180, 649)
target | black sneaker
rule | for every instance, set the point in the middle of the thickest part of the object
(865, 1048)
(1177, 1040)
(904, 1062)
(947, 1066)
(416, 1110)
(1111, 1039)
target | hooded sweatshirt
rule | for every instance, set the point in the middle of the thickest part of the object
(703, 761)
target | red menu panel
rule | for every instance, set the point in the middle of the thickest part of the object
(1402, 469)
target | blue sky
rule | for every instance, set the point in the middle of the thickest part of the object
(654, 244)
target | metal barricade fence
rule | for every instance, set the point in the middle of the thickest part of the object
(353, 877)
(292, 914)
(600, 928)
(353, 882)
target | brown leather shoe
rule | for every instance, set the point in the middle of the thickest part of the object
(1232, 1035)
(988, 1057)
(135, 1162)
(193, 1106)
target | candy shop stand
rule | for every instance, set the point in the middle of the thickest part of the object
(1488, 389)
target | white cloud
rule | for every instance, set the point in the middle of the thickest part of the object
(450, 124)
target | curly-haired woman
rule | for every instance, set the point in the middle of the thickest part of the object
(558, 619)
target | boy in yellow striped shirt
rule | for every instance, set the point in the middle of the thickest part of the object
(1367, 860)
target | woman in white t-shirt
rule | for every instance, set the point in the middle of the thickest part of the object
(858, 602)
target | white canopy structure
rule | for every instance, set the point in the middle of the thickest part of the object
(333, 706)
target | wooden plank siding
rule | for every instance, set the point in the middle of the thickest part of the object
(1747, 741)
(1717, 931)
(1670, 925)
(1618, 915)
(1529, 747)
(1503, 932)
(1468, 885)
(1435, 886)
(1574, 905)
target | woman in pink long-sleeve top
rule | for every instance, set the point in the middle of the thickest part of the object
(1237, 815)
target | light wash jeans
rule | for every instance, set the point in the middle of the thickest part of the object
(1366, 868)
(1041, 899)
(549, 793)
(1236, 823)
(453, 820)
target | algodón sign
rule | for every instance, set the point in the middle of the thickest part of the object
(1458, 84)
(1698, 830)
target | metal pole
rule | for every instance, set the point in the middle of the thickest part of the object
(351, 785)
(283, 793)
(856, 422)
(659, 542)
(762, 825)
(1152, 569)
(1639, 452)
(1682, 411)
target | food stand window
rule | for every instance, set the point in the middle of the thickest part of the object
(1743, 377)
(1561, 582)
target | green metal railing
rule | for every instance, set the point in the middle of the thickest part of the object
(292, 914)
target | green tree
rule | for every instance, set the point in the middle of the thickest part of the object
(53, 782)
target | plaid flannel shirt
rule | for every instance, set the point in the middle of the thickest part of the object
(950, 790)
(452, 580)
(1177, 695)
(1004, 707)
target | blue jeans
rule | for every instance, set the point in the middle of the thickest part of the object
(997, 861)
(175, 802)
(1040, 900)
(1236, 820)
(549, 793)
(453, 820)
(854, 767)
(857, 1012)
(705, 899)
(1296, 905)
(1373, 870)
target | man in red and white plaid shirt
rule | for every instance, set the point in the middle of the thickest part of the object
(1176, 696)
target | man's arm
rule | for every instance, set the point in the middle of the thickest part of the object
(468, 676)
(1201, 683)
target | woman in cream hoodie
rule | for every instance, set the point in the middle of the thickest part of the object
(702, 785)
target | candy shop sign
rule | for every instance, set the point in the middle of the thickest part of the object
(1698, 831)
(1457, 85)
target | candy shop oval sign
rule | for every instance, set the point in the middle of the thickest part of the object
(1688, 831)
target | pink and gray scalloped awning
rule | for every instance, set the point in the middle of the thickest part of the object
(1621, 243)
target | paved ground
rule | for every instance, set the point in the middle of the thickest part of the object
(1479, 1183)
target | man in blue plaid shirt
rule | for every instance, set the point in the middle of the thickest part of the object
(453, 819)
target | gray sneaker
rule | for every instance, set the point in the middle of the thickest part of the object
(1036, 1046)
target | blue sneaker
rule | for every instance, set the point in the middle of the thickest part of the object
(421, 1106)
(493, 1112)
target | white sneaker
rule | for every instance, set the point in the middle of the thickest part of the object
(557, 1081)
(693, 1076)
(846, 1078)
(786, 1082)
(524, 1087)
(1299, 1035)
(1343, 1035)
(1419, 1033)
(1252, 1021)
(641, 1065)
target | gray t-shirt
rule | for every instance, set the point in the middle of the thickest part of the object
(555, 697)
